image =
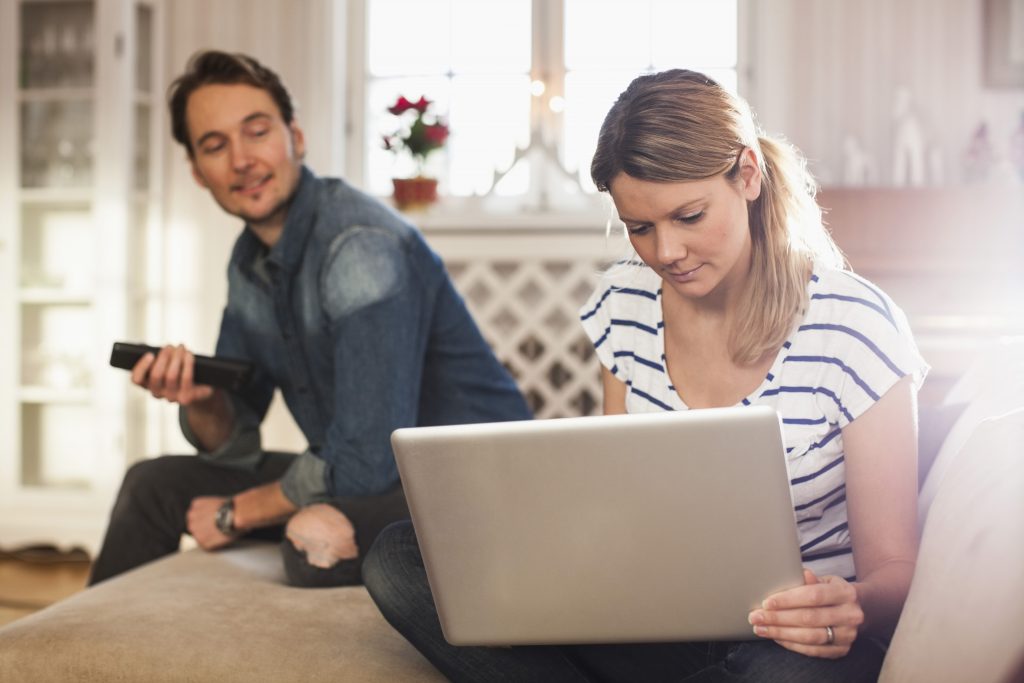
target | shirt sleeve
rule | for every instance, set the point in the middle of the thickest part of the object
(595, 316)
(305, 482)
(376, 303)
(243, 447)
(876, 349)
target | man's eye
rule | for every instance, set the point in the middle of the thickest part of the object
(213, 149)
(258, 132)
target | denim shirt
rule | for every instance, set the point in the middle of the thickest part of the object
(354, 318)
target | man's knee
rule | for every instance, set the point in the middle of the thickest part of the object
(319, 549)
(324, 534)
(324, 546)
(143, 473)
(142, 482)
(158, 488)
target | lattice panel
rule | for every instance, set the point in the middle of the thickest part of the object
(527, 310)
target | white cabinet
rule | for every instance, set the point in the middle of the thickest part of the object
(81, 106)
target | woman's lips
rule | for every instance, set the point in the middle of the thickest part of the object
(685, 275)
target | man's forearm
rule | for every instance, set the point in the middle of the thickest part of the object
(212, 421)
(262, 506)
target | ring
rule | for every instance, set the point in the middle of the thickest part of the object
(830, 635)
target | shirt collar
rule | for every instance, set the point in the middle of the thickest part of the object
(287, 252)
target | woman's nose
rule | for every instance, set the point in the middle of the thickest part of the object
(671, 246)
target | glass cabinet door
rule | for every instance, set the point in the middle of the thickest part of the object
(78, 80)
(56, 102)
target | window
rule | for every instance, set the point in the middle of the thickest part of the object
(522, 74)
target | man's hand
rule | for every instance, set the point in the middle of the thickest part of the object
(202, 522)
(169, 375)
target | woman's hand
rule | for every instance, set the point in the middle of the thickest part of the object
(802, 619)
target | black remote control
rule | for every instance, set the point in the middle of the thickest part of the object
(225, 373)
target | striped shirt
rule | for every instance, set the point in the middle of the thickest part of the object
(851, 347)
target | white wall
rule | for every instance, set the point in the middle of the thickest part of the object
(822, 69)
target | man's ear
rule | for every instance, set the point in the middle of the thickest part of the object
(298, 140)
(750, 175)
(196, 174)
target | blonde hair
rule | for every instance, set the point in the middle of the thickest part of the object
(680, 125)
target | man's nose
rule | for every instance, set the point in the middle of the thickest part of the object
(241, 158)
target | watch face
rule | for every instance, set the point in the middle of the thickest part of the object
(225, 520)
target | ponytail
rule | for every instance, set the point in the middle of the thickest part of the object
(788, 239)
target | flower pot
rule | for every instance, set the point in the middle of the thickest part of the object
(413, 193)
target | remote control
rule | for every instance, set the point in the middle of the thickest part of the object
(225, 373)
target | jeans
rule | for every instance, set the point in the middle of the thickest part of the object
(394, 574)
(149, 516)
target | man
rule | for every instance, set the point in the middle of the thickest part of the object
(336, 301)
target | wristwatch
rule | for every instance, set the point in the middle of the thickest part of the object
(225, 519)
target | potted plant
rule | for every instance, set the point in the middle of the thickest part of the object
(419, 133)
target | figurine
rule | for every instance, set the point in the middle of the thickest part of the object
(858, 168)
(908, 143)
(978, 158)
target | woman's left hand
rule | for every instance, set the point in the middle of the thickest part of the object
(806, 618)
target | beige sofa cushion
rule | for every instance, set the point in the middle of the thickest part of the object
(200, 616)
(993, 385)
(964, 617)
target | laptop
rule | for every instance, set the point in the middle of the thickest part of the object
(626, 528)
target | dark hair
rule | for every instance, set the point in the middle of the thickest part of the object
(213, 67)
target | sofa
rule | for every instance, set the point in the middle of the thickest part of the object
(228, 616)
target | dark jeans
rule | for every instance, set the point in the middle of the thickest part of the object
(149, 516)
(394, 574)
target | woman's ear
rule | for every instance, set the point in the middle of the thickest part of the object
(750, 175)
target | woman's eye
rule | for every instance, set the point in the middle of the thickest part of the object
(639, 229)
(691, 218)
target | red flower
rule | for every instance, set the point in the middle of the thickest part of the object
(436, 133)
(401, 106)
(417, 135)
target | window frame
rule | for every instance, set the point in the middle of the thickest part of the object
(547, 65)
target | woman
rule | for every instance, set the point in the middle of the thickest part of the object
(738, 298)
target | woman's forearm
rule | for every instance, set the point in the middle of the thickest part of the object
(881, 595)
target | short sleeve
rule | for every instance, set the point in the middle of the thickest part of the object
(622, 318)
(595, 317)
(870, 345)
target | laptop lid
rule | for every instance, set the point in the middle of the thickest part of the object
(625, 528)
